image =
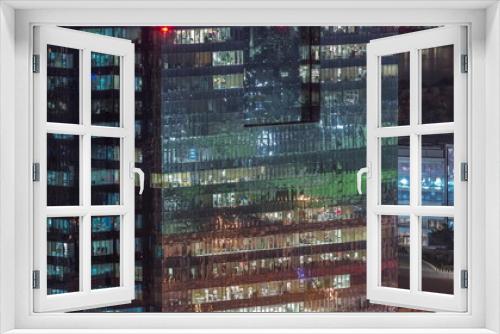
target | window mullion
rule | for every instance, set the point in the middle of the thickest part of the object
(86, 179)
(414, 171)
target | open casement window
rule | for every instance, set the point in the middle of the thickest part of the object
(83, 170)
(416, 156)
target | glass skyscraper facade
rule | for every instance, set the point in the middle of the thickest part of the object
(250, 139)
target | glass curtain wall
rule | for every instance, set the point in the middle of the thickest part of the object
(250, 138)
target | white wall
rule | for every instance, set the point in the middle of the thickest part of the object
(492, 171)
(7, 176)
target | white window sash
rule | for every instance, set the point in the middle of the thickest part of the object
(415, 297)
(86, 297)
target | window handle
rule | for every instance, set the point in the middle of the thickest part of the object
(359, 177)
(135, 170)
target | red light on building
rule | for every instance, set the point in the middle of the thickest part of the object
(165, 29)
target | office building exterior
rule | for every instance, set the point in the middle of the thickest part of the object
(250, 138)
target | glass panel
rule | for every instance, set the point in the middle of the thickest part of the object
(63, 169)
(437, 170)
(437, 84)
(395, 170)
(63, 84)
(105, 171)
(62, 255)
(105, 94)
(395, 235)
(105, 252)
(437, 254)
(395, 89)
(281, 80)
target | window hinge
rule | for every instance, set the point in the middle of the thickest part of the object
(36, 63)
(36, 172)
(36, 279)
(464, 171)
(464, 279)
(465, 63)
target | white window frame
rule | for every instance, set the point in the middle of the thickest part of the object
(16, 20)
(415, 210)
(86, 297)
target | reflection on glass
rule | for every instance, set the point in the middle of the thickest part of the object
(282, 75)
(105, 94)
(63, 169)
(437, 84)
(437, 170)
(395, 243)
(395, 171)
(63, 84)
(105, 171)
(437, 254)
(105, 252)
(395, 89)
(62, 255)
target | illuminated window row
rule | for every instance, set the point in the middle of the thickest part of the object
(351, 73)
(104, 60)
(202, 35)
(303, 193)
(343, 51)
(204, 83)
(306, 215)
(214, 246)
(289, 307)
(105, 82)
(349, 133)
(60, 249)
(217, 270)
(236, 175)
(105, 176)
(203, 59)
(106, 269)
(104, 247)
(60, 59)
(61, 178)
(268, 289)
(62, 225)
(346, 97)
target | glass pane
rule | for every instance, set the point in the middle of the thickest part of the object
(395, 89)
(281, 77)
(62, 255)
(395, 170)
(437, 170)
(105, 171)
(437, 254)
(105, 252)
(63, 85)
(437, 84)
(63, 169)
(105, 94)
(395, 234)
